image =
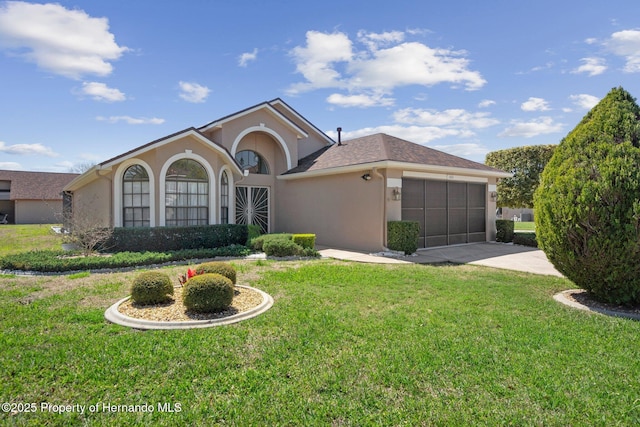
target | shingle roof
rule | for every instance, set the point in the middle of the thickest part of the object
(381, 147)
(36, 185)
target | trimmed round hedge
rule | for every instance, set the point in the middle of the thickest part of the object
(207, 293)
(151, 287)
(223, 268)
(588, 202)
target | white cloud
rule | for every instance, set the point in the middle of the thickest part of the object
(131, 120)
(585, 101)
(10, 166)
(540, 126)
(375, 40)
(626, 44)
(486, 103)
(592, 66)
(193, 92)
(470, 150)
(101, 92)
(413, 63)
(454, 118)
(361, 100)
(27, 150)
(315, 60)
(417, 134)
(65, 42)
(384, 62)
(247, 57)
(535, 104)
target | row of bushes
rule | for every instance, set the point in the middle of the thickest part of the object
(505, 233)
(162, 239)
(276, 245)
(211, 289)
(58, 261)
(286, 245)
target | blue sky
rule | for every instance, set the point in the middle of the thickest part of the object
(82, 81)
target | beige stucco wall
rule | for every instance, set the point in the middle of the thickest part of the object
(261, 122)
(93, 202)
(344, 211)
(38, 212)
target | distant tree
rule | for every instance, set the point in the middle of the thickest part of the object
(526, 164)
(81, 167)
(588, 202)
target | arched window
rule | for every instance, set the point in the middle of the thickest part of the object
(186, 193)
(254, 162)
(135, 197)
(224, 198)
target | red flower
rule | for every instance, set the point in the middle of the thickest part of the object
(190, 273)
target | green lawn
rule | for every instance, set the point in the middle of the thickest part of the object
(15, 238)
(524, 226)
(344, 344)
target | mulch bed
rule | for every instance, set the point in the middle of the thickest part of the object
(583, 297)
(243, 300)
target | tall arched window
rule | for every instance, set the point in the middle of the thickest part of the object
(224, 198)
(254, 162)
(135, 197)
(186, 193)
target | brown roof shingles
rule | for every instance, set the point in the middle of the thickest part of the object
(381, 147)
(36, 185)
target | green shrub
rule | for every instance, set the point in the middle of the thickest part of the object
(588, 202)
(160, 239)
(58, 261)
(258, 243)
(525, 239)
(151, 287)
(281, 248)
(310, 253)
(223, 268)
(504, 230)
(305, 240)
(207, 293)
(253, 231)
(403, 236)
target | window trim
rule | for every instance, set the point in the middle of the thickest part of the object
(213, 193)
(118, 220)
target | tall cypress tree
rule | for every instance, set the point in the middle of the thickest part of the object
(588, 202)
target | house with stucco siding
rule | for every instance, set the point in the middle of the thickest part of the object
(270, 166)
(32, 197)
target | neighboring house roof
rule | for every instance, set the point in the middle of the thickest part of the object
(384, 150)
(36, 185)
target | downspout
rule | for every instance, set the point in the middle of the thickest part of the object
(375, 172)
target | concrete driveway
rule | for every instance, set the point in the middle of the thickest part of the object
(497, 255)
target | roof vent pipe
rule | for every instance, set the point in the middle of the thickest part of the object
(339, 136)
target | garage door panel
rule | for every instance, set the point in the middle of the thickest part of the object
(436, 222)
(435, 195)
(412, 194)
(449, 213)
(477, 221)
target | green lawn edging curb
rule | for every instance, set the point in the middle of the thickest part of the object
(114, 316)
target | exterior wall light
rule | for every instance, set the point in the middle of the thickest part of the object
(366, 177)
(396, 193)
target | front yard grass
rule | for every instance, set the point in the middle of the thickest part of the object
(16, 238)
(344, 344)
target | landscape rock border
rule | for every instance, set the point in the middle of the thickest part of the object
(564, 298)
(114, 316)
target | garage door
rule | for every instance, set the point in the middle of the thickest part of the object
(449, 213)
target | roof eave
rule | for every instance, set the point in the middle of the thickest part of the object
(300, 133)
(390, 164)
